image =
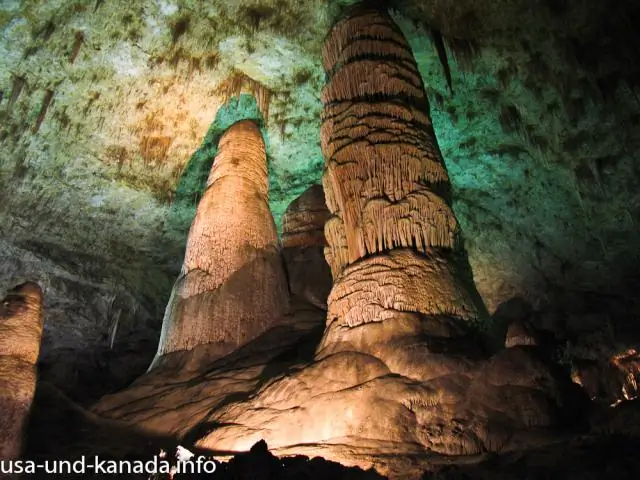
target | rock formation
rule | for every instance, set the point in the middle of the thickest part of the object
(398, 370)
(303, 245)
(520, 333)
(399, 267)
(399, 373)
(232, 286)
(612, 381)
(21, 323)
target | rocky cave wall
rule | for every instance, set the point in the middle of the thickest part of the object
(535, 105)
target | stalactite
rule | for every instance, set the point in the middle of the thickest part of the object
(16, 89)
(75, 49)
(438, 41)
(421, 220)
(46, 102)
(464, 51)
(336, 252)
(232, 286)
(237, 82)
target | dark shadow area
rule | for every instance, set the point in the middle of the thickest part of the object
(60, 429)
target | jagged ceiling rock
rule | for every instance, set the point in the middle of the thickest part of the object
(103, 103)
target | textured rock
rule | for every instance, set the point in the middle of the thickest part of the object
(610, 382)
(540, 137)
(21, 322)
(519, 333)
(162, 392)
(399, 373)
(232, 286)
(402, 297)
(388, 188)
(303, 245)
(60, 429)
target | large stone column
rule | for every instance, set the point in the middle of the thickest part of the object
(21, 323)
(394, 245)
(232, 286)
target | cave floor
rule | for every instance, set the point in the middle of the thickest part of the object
(62, 430)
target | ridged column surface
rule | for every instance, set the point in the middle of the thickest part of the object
(232, 286)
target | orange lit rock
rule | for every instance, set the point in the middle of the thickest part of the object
(21, 323)
(303, 245)
(612, 381)
(628, 364)
(394, 241)
(399, 373)
(520, 333)
(398, 366)
(232, 287)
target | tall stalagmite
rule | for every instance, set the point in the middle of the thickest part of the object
(394, 242)
(21, 322)
(232, 286)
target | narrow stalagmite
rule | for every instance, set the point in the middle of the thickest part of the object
(21, 322)
(394, 241)
(232, 286)
(303, 245)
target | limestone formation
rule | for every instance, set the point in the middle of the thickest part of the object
(394, 241)
(398, 366)
(520, 333)
(232, 286)
(612, 381)
(21, 323)
(399, 373)
(303, 245)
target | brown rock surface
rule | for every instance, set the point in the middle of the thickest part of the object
(232, 286)
(520, 333)
(21, 323)
(303, 245)
(399, 373)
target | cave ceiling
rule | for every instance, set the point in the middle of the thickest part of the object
(104, 104)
